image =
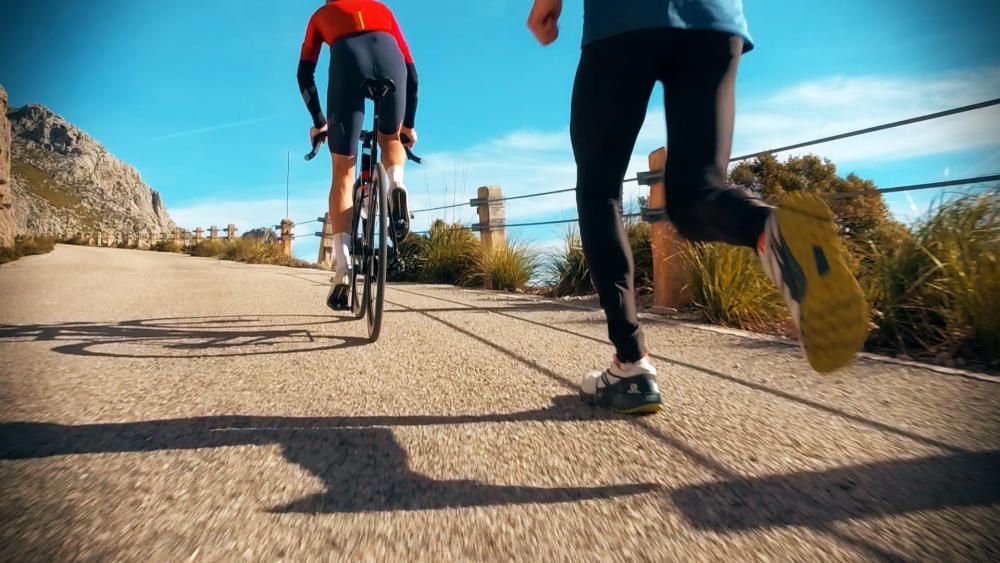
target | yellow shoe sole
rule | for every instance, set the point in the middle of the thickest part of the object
(835, 315)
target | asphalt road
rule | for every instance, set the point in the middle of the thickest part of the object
(159, 407)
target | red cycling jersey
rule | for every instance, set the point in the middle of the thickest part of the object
(347, 17)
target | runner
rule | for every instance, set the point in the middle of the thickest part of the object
(693, 47)
(365, 42)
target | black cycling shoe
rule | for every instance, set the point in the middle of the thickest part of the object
(339, 297)
(638, 394)
(400, 213)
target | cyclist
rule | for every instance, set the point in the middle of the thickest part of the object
(693, 47)
(365, 43)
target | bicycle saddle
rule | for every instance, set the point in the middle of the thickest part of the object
(377, 88)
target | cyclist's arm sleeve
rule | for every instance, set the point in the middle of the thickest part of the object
(410, 115)
(307, 74)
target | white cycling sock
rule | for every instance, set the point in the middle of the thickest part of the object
(395, 174)
(342, 250)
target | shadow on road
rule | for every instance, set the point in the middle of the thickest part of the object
(863, 491)
(359, 460)
(189, 337)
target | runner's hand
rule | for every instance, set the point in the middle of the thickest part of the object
(405, 132)
(314, 132)
(543, 20)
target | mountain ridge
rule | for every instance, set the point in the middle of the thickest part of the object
(66, 183)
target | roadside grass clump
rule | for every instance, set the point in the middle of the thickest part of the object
(508, 267)
(567, 269)
(450, 254)
(29, 245)
(409, 261)
(172, 246)
(640, 238)
(936, 293)
(208, 249)
(729, 288)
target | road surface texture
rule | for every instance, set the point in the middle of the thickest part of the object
(158, 407)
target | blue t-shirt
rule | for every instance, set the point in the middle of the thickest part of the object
(606, 18)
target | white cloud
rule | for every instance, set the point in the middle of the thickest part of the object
(840, 104)
(207, 130)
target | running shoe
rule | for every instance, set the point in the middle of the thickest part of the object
(802, 254)
(628, 388)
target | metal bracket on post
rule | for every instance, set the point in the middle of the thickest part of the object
(649, 178)
(651, 215)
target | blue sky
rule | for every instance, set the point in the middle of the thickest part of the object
(200, 96)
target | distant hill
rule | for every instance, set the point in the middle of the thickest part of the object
(65, 182)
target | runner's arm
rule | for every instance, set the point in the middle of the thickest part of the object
(307, 75)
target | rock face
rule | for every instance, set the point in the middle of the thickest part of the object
(65, 183)
(8, 226)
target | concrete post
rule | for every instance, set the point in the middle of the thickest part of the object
(286, 236)
(198, 234)
(492, 218)
(213, 233)
(231, 232)
(325, 258)
(669, 277)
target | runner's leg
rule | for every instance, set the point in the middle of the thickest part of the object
(699, 80)
(613, 84)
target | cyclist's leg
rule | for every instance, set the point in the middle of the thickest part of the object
(346, 107)
(389, 64)
(613, 83)
(699, 79)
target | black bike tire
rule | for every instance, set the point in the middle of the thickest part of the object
(357, 254)
(378, 216)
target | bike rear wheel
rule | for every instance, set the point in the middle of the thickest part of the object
(376, 238)
(358, 266)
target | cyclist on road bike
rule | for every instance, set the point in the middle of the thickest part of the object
(365, 43)
(693, 47)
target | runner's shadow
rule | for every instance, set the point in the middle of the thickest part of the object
(362, 465)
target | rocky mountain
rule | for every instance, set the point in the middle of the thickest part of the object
(65, 182)
(8, 226)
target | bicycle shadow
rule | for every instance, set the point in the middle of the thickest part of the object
(359, 460)
(189, 337)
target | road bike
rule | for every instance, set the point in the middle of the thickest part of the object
(372, 231)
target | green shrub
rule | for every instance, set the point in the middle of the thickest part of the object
(450, 254)
(936, 292)
(508, 267)
(568, 271)
(729, 286)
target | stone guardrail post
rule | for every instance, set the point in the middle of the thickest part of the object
(669, 275)
(213, 233)
(286, 236)
(325, 258)
(492, 218)
(199, 233)
(231, 232)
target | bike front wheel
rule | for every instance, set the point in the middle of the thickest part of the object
(376, 239)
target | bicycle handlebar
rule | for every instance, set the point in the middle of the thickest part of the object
(321, 138)
(409, 153)
(318, 141)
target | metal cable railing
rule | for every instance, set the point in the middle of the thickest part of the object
(648, 178)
